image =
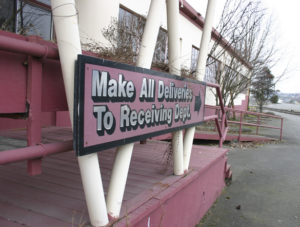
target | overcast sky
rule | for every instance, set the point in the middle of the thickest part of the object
(286, 17)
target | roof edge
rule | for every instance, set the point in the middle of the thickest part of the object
(197, 19)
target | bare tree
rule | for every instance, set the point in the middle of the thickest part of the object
(247, 30)
(123, 36)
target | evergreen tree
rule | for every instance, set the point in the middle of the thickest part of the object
(263, 87)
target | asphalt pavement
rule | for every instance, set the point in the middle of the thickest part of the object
(265, 189)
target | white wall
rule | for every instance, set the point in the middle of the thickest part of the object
(93, 16)
(190, 35)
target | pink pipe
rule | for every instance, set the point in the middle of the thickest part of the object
(240, 130)
(33, 152)
(218, 128)
(224, 123)
(243, 111)
(253, 124)
(258, 123)
(281, 129)
(224, 134)
(27, 47)
(212, 85)
(208, 118)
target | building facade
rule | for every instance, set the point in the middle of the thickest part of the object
(33, 17)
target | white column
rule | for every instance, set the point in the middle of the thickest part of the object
(173, 36)
(206, 35)
(93, 189)
(68, 40)
(187, 147)
(118, 180)
(122, 160)
(200, 72)
(174, 66)
(150, 34)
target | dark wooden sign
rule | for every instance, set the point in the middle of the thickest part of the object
(116, 104)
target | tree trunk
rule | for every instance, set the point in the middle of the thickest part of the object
(260, 107)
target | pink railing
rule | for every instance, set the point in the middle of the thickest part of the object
(31, 53)
(241, 122)
(222, 123)
(27, 45)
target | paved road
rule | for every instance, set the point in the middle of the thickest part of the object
(285, 106)
(265, 186)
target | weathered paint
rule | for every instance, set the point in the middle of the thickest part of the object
(195, 192)
(58, 195)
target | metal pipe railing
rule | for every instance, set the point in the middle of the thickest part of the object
(257, 124)
(281, 126)
(223, 129)
(208, 118)
(252, 124)
(33, 152)
(27, 47)
(243, 111)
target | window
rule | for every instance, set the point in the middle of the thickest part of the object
(32, 19)
(27, 17)
(7, 15)
(161, 48)
(194, 58)
(131, 29)
(211, 70)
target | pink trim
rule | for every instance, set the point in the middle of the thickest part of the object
(17, 45)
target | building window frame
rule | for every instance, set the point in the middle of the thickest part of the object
(43, 13)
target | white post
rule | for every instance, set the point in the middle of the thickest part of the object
(200, 72)
(187, 147)
(93, 189)
(150, 34)
(68, 40)
(118, 180)
(206, 35)
(122, 160)
(174, 66)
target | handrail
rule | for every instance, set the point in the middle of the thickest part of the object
(257, 124)
(28, 47)
(223, 129)
(33, 152)
(244, 111)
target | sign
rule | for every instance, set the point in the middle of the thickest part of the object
(116, 104)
